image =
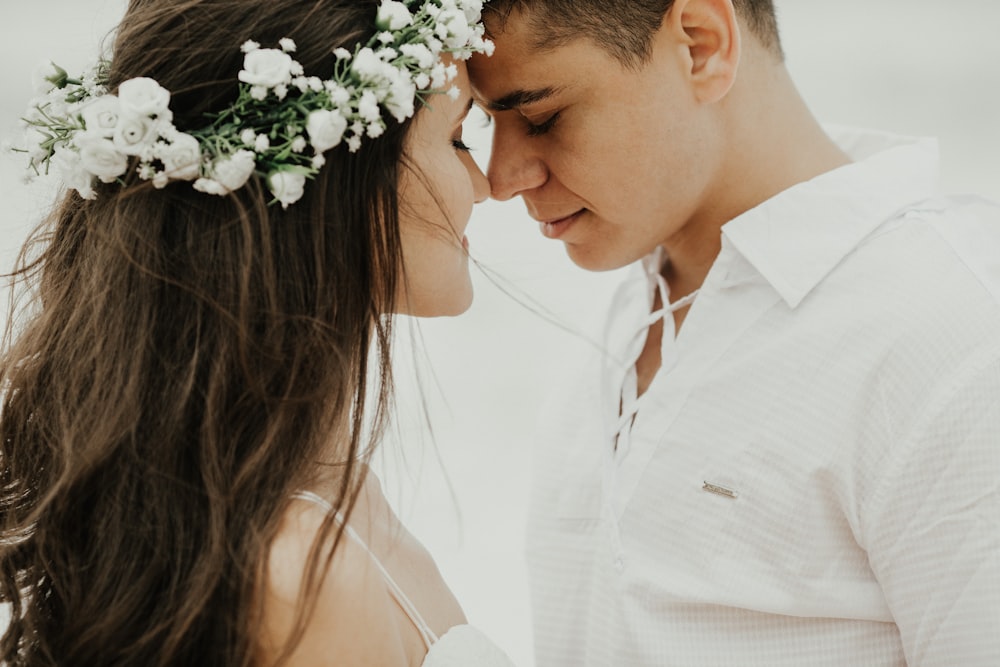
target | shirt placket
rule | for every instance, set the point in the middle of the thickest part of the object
(630, 402)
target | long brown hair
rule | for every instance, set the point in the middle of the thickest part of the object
(189, 362)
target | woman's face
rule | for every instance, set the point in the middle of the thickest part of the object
(437, 189)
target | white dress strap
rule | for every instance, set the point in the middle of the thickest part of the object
(397, 593)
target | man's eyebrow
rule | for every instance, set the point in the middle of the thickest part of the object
(520, 98)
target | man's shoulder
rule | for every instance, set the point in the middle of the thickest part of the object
(970, 228)
(940, 246)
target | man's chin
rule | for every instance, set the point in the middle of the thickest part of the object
(596, 259)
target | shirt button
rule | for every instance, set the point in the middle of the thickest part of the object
(619, 564)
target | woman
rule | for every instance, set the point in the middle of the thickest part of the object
(187, 413)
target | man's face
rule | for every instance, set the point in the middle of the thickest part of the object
(610, 160)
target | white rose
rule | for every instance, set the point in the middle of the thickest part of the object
(101, 157)
(67, 162)
(134, 135)
(143, 97)
(101, 115)
(210, 186)
(325, 129)
(286, 186)
(267, 68)
(234, 171)
(393, 15)
(182, 159)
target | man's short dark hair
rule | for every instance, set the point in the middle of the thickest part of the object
(624, 28)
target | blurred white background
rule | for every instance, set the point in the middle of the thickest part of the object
(915, 66)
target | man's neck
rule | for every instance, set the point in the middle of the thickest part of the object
(773, 142)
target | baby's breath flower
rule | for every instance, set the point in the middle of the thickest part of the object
(368, 106)
(281, 123)
(419, 52)
(49, 76)
(438, 76)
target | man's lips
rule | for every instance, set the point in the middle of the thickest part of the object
(553, 228)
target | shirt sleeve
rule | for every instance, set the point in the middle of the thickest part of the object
(932, 528)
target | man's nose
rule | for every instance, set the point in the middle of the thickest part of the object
(515, 165)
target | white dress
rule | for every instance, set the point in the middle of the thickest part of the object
(461, 646)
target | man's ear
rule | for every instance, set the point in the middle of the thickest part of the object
(708, 32)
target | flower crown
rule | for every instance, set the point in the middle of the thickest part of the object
(281, 123)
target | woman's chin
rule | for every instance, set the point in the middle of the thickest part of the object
(451, 304)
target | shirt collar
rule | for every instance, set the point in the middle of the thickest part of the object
(797, 237)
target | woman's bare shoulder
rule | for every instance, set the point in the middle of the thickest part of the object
(354, 621)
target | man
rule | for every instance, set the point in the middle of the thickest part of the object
(788, 450)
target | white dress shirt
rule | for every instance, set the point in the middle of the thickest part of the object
(813, 476)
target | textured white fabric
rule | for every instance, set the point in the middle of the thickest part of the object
(465, 646)
(813, 477)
